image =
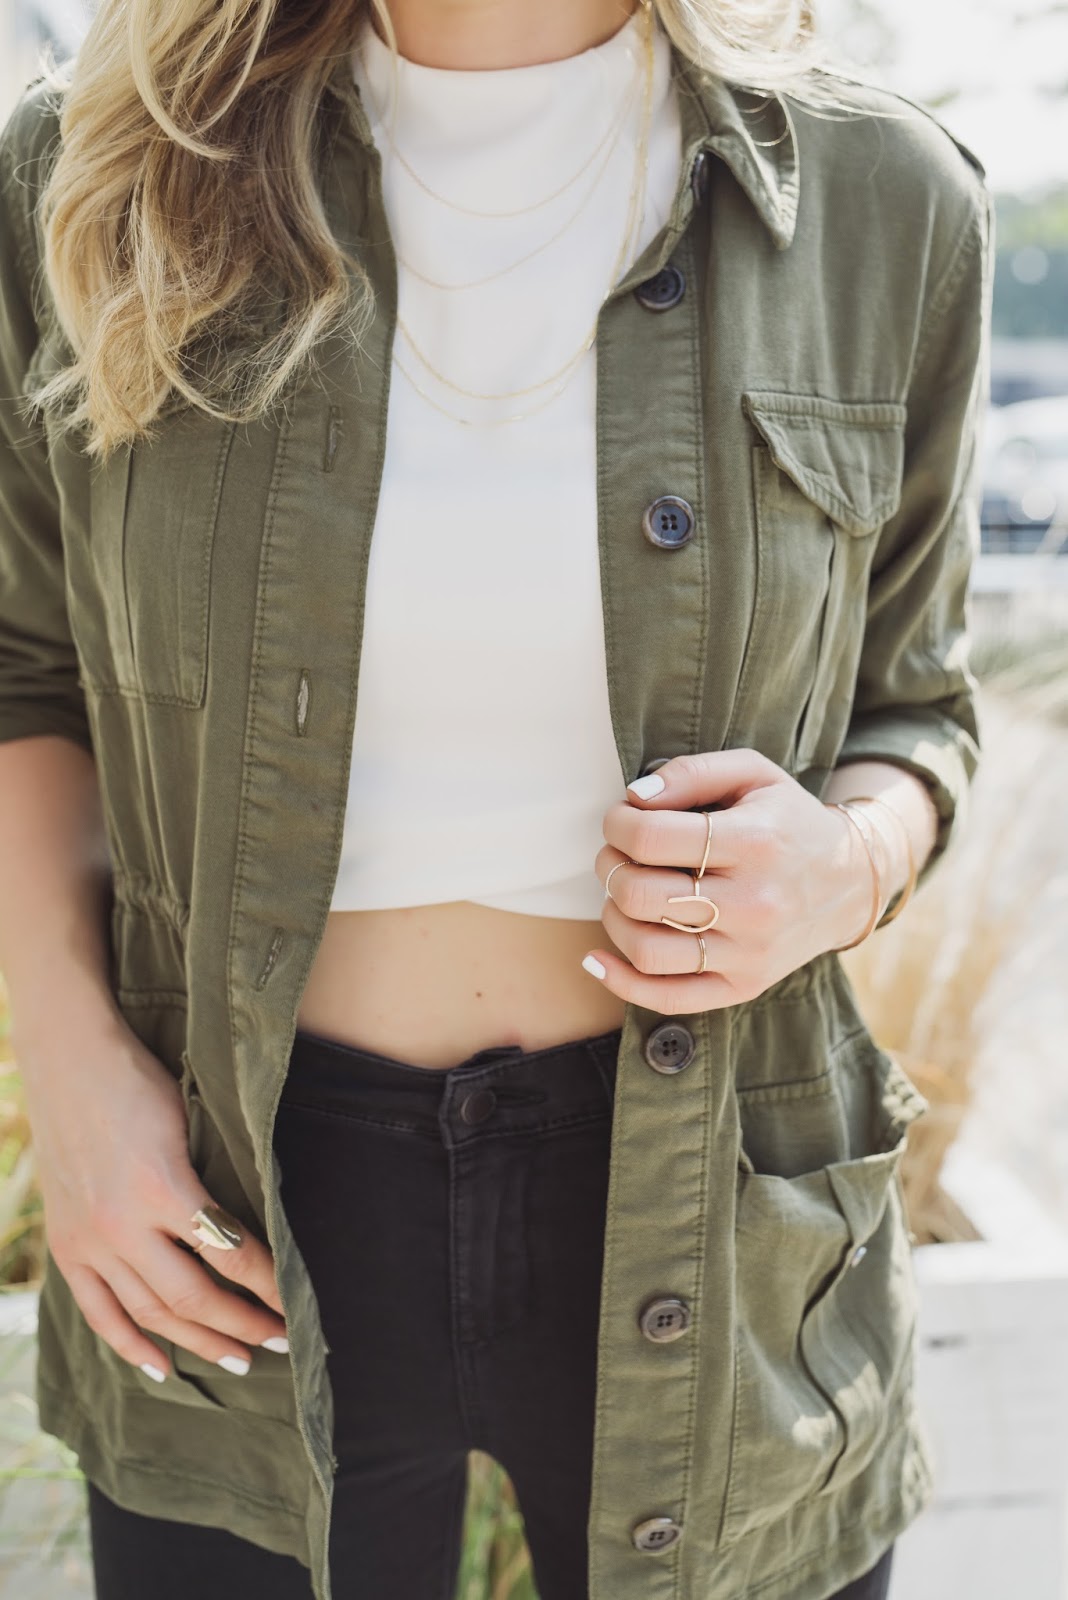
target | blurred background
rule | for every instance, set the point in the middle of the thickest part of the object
(969, 988)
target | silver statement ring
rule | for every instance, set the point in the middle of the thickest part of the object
(212, 1225)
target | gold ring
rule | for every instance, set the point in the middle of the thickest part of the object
(607, 881)
(689, 927)
(708, 843)
(212, 1225)
(704, 955)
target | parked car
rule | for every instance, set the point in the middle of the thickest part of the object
(1025, 477)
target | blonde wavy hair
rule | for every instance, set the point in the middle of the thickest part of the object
(185, 186)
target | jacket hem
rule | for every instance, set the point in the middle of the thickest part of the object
(857, 1547)
(138, 1485)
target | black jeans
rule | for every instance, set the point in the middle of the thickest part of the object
(452, 1221)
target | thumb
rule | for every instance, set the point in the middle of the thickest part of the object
(714, 776)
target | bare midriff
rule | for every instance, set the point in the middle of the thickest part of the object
(430, 985)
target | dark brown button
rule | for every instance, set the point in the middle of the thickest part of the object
(670, 1047)
(662, 291)
(478, 1105)
(668, 522)
(655, 1534)
(699, 176)
(664, 1319)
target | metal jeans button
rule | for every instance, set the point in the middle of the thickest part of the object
(478, 1105)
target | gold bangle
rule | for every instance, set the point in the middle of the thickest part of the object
(843, 806)
(904, 895)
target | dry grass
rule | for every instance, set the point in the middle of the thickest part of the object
(967, 986)
(21, 1216)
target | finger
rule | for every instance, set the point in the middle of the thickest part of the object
(672, 997)
(662, 952)
(667, 838)
(720, 776)
(108, 1318)
(646, 893)
(250, 1264)
(730, 784)
(149, 1310)
(184, 1283)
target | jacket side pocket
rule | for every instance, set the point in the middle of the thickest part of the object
(825, 1314)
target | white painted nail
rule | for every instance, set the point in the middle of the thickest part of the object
(592, 964)
(279, 1343)
(236, 1364)
(153, 1372)
(646, 787)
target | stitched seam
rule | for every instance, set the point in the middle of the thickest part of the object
(807, 415)
(132, 998)
(241, 867)
(804, 1089)
(690, 1423)
(697, 414)
(758, 463)
(970, 239)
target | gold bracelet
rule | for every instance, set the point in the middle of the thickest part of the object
(906, 893)
(844, 807)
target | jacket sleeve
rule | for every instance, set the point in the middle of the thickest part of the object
(915, 702)
(39, 686)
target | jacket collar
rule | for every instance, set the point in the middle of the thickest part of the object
(753, 135)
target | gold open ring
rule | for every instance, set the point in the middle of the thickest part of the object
(689, 927)
(607, 881)
(708, 844)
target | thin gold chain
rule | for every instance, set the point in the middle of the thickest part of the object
(478, 283)
(489, 422)
(634, 214)
(616, 124)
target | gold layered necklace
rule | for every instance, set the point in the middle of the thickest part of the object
(556, 381)
(491, 277)
(614, 127)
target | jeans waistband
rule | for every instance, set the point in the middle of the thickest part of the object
(501, 1088)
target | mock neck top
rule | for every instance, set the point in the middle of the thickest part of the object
(483, 755)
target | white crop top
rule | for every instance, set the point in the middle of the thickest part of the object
(483, 756)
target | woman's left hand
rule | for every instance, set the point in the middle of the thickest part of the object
(788, 873)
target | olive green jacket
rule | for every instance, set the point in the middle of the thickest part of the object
(192, 614)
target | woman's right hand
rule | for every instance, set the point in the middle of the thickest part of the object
(111, 1141)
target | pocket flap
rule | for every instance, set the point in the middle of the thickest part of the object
(861, 1188)
(847, 456)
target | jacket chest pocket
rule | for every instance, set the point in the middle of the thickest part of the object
(827, 474)
(152, 524)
